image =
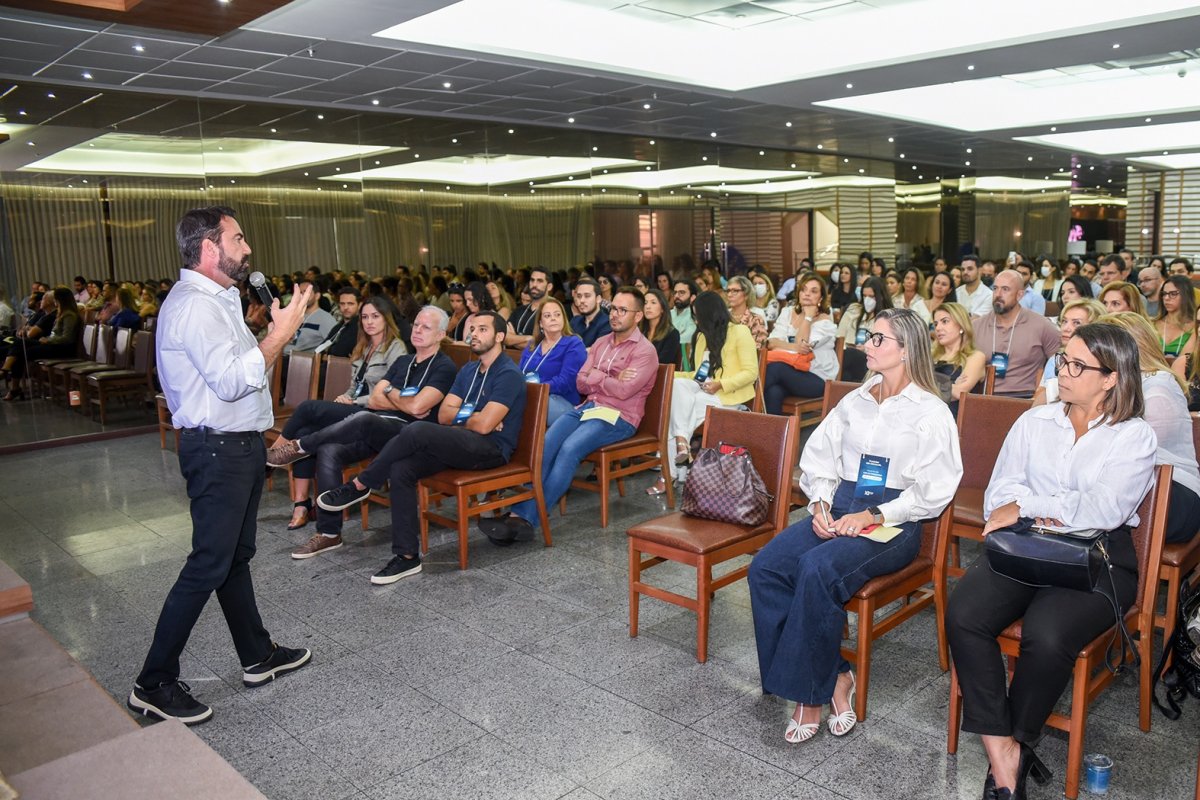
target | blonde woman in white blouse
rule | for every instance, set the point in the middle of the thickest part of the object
(886, 454)
(910, 296)
(1084, 463)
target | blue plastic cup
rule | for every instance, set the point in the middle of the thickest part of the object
(1098, 770)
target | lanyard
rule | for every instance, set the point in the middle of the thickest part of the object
(529, 357)
(467, 398)
(524, 316)
(1011, 332)
(610, 361)
(424, 374)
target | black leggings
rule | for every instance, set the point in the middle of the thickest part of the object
(784, 381)
(1183, 514)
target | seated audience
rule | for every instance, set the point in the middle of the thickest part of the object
(456, 295)
(1084, 463)
(804, 329)
(738, 294)
(1150, 284)
(657, 327)
(525, 317)
(683, 293)
(762, 296)
(501, 299)
(941, 290)
(1073, 316)
(316, 325)
(1050, 283)
(1121, 296)
(1030, 298)
(909, 294)
(1017, 341)
(126, 315)
(727, 367)
(554, 356)
(887, 454)
(148, 305)
(974, 294)
(844, 285)
(1188, 368)
(615, 381)
(592, 322)
(1074, 287)
(1176, 315)
(958, 367)
(343, 338)
(1165, 395)
(478, 425)
(855, 327)
(61, 341)
(378, 346)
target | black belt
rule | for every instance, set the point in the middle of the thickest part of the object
(204, 431)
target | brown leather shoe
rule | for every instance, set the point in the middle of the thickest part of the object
(316, 545)
(284, 452)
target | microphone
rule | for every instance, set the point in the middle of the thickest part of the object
(260, 288)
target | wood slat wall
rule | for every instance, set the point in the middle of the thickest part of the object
(1179, 225)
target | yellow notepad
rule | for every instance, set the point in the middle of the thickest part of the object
(883, 534)
(609, 415)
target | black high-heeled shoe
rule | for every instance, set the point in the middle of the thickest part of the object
(1029, 764)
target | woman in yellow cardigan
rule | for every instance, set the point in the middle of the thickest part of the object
(724, 376)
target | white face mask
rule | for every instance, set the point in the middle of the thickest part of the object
(760, 290)
(1045, 272)
(868, 304)
(835, 275)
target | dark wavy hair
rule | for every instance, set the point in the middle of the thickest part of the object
(712, 321)
(1117, 352)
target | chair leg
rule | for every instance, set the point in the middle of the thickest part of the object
(862, 658)
(704, 604)
(604, 479)
(1078, 728)
(635, 576)
(939, 605)
(1171, 611)
(423, 521)
(539, 497)
(463, 519)
(562, 506)
(954, 714)
(1145, 680)
(666, 474)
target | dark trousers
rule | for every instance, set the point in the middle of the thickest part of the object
(224, 477)
(784, 381)
(34, 351)
(799, 585)
(1183, 514)
(354, 438)
(422, 449)
(310, 417)
(1057, 624)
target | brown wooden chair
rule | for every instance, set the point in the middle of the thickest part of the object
(102, 353)
(915, 586)
(646, 449)
(989, 379)
(302, 375)
(135, 382)
(122, 359)
(523, 472)
(759, 405)
(704, 543)
(983, 424)
(41, 371)
(1178, 560)
(1091, 676)
(809, 411)
(458, 352)
(1053, 309)
(338, 375)
(834, 392)
(164, 421)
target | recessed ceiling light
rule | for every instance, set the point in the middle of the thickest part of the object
(902, 155)
(861, 170)
(849, 85)
(375, 101)
(914, 166)
(31, 144)
(970, 67)
(1053, 128)
(594, 149)
(1116, 45)
(320, 116)
(787, 124)
(138, 48)
(454, 141)
(447, 85)
(21, 113)
(704, 158)
(1029, 158)
(50, 95)
(920, 177)
(337, 169)
(272, 130)
(377, 163)
(891, 139)
(571, 120)
(646, 106)
(651, 142)
(820, 147)
(87, 76)
(416, 155)
(1148, 119)
(966, 163)
(845, 161)
(713, 134)
(968, 150)
(306, 174)
(510, 130)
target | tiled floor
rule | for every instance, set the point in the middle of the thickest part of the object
(514, 679)
(25, 421)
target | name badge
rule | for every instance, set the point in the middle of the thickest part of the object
(791, 340)
(1000, 362)
(532, 377)
(464, 413)
(872, 477)
(409, 391)
(860, 338)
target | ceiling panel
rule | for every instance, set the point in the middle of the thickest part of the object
(224, 56)
(108, 42)
(311, 67)
(262, 42)
(421, 62)
(349, 53)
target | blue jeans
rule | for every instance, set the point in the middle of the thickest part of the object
(559, 405)
(799, 585)
(568, 442)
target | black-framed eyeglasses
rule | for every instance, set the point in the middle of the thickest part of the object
(1075, 368)
(1169, 294)
(876, 339)
(617, 311)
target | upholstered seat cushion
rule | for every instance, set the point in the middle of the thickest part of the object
(448, 478)
(885, 582)
(968, 506)
(637, 440)
(1182, 555)
(790, 404)
(692, 534)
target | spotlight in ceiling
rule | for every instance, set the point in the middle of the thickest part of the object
(375, 101)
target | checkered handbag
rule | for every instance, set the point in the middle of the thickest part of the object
(723, 485)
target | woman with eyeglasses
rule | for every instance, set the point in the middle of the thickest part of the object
(1188, 368)
(738, 294)
(1073, 316)
(1176, 315)
(1083, 463)
(886, 455)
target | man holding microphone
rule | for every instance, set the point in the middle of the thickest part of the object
(214, 375)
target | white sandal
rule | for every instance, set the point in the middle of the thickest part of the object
(800, 731)
(843, 723)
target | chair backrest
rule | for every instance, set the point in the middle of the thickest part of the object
(983, 425)
(834, 392)
(656, 419)
(1149, 536)
(149, 324)
(104, 345)
(338, 375)
(533, 429)
(515, 354)
(89, 339)
(143, 352)
(839, 349)
(123, 347)
(301, 377)
(771, 442)
(459, 353)
(1053, 308)
(759, 404)
(989, 379)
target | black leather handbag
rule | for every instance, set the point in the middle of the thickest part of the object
(1042, 557)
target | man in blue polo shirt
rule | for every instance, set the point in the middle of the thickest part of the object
(478, 425)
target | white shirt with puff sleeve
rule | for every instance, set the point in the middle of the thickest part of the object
(914, 429)
(1095, 482)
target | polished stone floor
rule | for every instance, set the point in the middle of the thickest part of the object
(23, 422)
(514, 679)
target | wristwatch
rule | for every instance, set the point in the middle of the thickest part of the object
(388, 390)
(876, 515)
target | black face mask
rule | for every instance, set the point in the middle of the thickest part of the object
(987, 280)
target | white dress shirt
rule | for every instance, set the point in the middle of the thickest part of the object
(1167, 413)
(211, 369)
(1034, 301)
(822, 335)
(914, 429)
(917, 306)
(1095, 482)
(977, 304)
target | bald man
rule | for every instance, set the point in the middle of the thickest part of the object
(1017, 341)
